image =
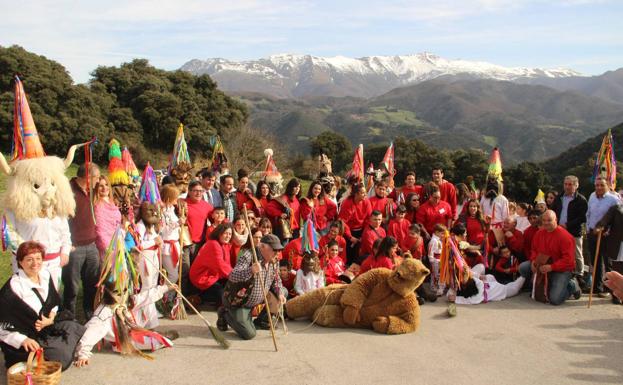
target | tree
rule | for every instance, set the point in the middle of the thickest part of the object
(522, 181)
(470, 162)
(335, 146)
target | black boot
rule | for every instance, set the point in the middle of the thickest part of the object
(221, 323)
(262, 322)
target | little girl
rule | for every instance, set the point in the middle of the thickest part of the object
(413, 243)
(309, 277)
(434, 254)
(507, 267)
(334, 265)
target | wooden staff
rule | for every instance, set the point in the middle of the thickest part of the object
(255, 260)
(590, 296)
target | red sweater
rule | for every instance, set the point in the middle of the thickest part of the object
(333, 268)
(429, 215)
(211, 264)
(382, 205)
(197, 217)
(475, 233)
(559, 245)
(81, 224)
(448, 194)
(371, 263)
(405, 191)
(325, 211)
(515, 243)
(243, 200)
(292, 252)
(414, 245)
(289, 284)
(398, 230)
(341, 244)
(504, 263)
(528, 234)
(274, 209)
(367, 239)
(355, 214)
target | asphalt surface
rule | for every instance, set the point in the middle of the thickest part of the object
(517, 341)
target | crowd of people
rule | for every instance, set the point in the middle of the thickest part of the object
(229, 240)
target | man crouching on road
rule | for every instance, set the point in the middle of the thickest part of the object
(244, 291)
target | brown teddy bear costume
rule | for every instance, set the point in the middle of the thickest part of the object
(381, 299)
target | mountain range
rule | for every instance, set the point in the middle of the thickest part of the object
(530, 113)
(299, 76)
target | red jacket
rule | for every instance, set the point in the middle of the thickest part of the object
(448, 194)
(211, 264)
(515, 243)
(371, 263)
(333, 268)
(275, 209)
(289, 284)
(367, 239)
(355, 214)
(341, 244)
(197, 217)
(559, 245)
(398, 230)
(429, 215)
(292, 252)
(325, 211)
(504, 263)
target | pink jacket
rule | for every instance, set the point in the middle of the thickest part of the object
(107, 219)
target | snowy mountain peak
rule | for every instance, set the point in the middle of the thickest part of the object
(287, 75)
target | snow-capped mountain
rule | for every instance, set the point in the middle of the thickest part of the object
(289, 75)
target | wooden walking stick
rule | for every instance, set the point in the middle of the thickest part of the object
(590, 296)
(216, 334)
(255, 260)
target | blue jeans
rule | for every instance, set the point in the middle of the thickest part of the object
(561, 284)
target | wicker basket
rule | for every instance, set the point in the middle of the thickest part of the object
(41, 372)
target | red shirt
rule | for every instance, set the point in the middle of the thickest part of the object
(372, 263)
(383, 205)
(325, 211)
(289, 284)
(293, 253)
(528, 234)
(355, 214)
(515, 243)
(413, 245)
(474, 259)
(275, 209)
(559, 245)
(243, 200)
(429, 215)
(367, 239)
(341, 244)
(210, 265)
(398, 229)
(505, 263)
(475, 233)
(333, 268)
(197, 217)
(448, 194)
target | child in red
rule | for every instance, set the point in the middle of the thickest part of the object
(334, 234)
(414, 243)
(398, 227)
(218, 217)
(333, 265)
(287, 277)
(507, 266)
(384, 256)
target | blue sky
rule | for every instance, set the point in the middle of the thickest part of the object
(585, 35)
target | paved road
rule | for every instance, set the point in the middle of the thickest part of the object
(516, 341)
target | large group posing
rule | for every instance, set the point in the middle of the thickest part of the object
(208, 227)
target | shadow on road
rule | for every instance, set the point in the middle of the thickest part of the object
(604, 349)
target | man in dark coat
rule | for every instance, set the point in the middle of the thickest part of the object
(612, 221)
(570, 208)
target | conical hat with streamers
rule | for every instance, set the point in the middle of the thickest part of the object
(26, 143)
(540, 197)
(149, 187)
(128, 164)
(495, 165)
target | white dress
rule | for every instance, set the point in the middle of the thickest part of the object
(490, 289)
(148, 267)
(170, 233)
